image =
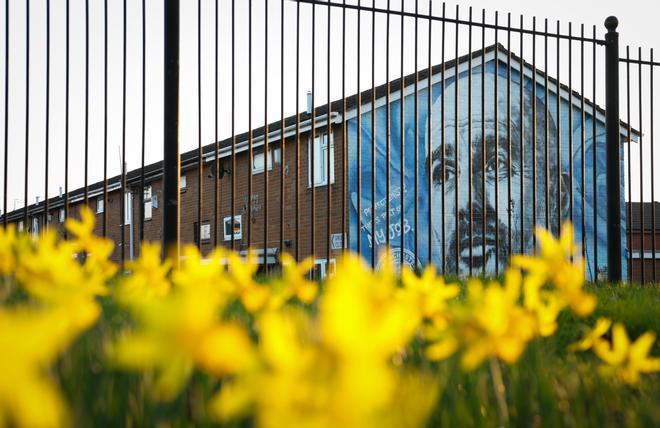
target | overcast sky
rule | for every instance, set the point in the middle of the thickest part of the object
(638, 27)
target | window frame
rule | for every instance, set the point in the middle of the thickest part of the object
(237, 236)
(323, 162)
(100, 202)
(323, 270)
(148, 202)
(274, 158)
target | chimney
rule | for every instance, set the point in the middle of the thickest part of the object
(309, 102)
(60, 191)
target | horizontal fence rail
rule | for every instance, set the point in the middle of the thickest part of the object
(446, 135)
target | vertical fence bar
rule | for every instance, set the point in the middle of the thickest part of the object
(232, 203)
(559, 167)
(655, 278)
(547, 130)
(171, 164)
(534, 132)
(250, 132)
(359, 128)
(497, 145)
(298, 131)
(484, 154)
(469, 117)
(612, 124)
(330, 166)
(522, 137)
(389, 127)
(86, 168)
(266, 140)
(582, 145)
(403, 138)
(570, 119)
(6, 152)
(442, 144)
(641, 167)
(509, 136)
(344, 155)
(629, 132)
(105, 118)
(123, 144)
(312, 141)
(27, 115)
(374, 235)
(416, 130)
(143, 130)
(593, 157)
(282, 128)
(66, 112)
(456, 145)
(47, 134)
(216, 148)
(429, 121)
(200, 160)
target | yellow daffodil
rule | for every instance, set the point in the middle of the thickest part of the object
(553, 265)
(429, 293)
(7, 255)
(52, 273)
(177, 332)
(148, 275)
(627, 360)
(31, 339)
(295, 277)
(494, 324)
(592, 336)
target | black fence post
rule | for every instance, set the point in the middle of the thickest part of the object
(613, 147)
(171, 164)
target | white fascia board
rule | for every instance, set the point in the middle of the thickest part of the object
(289, 131)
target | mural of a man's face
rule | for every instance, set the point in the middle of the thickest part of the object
(498, 169)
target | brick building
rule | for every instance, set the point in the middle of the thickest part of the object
(651, 240)
(421, 125)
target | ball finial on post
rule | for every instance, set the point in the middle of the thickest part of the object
(611, 23)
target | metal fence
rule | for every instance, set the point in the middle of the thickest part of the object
(444, 135)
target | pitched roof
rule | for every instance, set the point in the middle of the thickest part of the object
(189, 158)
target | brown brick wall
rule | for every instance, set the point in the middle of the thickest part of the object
(274, 206)
(636, 266)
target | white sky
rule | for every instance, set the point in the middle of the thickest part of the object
(638, 27)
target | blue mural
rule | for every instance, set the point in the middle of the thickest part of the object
(502, 181)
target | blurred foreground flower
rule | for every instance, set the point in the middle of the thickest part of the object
(622, 358)
(31, 340)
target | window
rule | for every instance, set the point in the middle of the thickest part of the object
(258, 160)
(148, 203)
(182, 183)
(35, 226)
(20, 225)
(323, 269)
(60, 216)
(128, 208)
(235, 228)
(100, 205)
(320, 167)
(203, 231)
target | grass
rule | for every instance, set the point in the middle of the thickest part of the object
(547, 387)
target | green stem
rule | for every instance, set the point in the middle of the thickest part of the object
(500, 392)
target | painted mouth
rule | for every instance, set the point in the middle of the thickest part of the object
(481, 252)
